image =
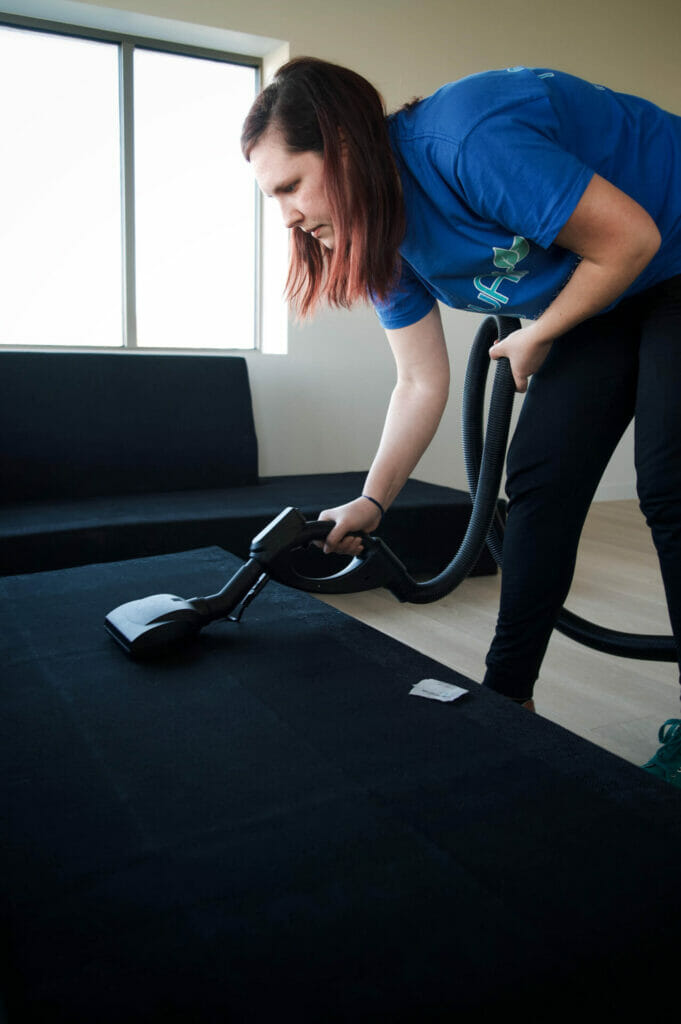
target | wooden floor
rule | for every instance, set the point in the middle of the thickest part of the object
(616, 703)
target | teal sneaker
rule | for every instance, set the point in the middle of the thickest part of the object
(666, 763)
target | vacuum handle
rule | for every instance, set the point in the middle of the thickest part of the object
(288, 531)
(270, 557)
(317, 529)
(273, 550)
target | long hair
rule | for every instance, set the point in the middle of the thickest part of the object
(335, 112)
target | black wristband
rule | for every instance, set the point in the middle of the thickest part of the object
(376, 503)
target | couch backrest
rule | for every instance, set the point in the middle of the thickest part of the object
(81, 424)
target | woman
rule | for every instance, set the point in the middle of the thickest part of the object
(526, 192)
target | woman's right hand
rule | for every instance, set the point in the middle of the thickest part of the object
(358, 515)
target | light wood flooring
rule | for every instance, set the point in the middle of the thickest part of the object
(616, 703)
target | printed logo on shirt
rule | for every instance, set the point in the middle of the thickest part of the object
(489, 286)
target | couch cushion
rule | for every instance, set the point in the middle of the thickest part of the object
(424, 526)
(82, 424)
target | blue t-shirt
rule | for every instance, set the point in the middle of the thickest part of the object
(494, 165)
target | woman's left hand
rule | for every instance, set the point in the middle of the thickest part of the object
(525, 351)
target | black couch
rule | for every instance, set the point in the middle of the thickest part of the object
(115, 455)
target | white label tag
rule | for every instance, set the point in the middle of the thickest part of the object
(435, 689)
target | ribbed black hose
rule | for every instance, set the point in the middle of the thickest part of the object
(487, 465)
(484, 491)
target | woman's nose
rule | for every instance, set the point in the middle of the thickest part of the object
(292, 216)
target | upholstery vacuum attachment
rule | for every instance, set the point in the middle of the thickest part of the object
(152, 625)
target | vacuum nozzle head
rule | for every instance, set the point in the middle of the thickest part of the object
(154, 624)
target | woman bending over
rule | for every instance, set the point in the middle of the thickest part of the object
(526, 192)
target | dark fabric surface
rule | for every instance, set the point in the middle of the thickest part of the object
(117, 455)
(78, 424)
(266, 825)
(424, 527)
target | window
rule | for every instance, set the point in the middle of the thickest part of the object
(129, 215)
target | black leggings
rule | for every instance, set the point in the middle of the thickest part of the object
(623, 364)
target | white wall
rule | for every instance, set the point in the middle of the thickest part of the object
(320, 407)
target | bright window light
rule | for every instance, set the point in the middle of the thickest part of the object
(60, 230)
(62, 259)
(194, 203)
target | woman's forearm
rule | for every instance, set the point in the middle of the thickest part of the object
(416, 406)
(412, 419)
(591, 289)
(616, 239)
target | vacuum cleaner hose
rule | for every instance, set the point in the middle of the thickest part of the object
(484, 459)
(484, 479)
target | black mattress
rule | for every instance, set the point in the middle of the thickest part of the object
(267, 825)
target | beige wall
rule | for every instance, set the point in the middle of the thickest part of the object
(321, 406)
(408, 46)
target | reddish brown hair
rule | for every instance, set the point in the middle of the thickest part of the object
(333, 111)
